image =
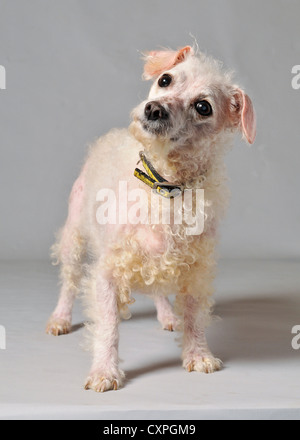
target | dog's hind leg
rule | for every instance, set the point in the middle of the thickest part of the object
(165, 313)
(69, 251)
(70, 274)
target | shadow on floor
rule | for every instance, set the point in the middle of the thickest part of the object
(256, 328)
(143, 314)
(77, 327)
(133, 374)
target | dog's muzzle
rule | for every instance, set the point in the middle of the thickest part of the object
(156, 118)
(154, 111)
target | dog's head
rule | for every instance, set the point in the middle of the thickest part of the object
(191, 100)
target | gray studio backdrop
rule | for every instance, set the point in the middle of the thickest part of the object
(73, 71)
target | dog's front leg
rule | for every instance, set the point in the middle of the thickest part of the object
(103, 310)
(196, 354)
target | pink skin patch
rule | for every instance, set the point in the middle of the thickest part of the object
(152, 241)
(76, 199)
(75, 206)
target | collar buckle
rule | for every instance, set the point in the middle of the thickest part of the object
(167, 189)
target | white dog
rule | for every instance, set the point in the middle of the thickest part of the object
(180, 134)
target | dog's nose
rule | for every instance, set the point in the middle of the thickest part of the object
(154, 111)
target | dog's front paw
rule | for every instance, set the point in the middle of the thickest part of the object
(202, 364)
(101, 381)
(58, 326)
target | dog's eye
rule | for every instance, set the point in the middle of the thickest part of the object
(165, 80)
(203, 108)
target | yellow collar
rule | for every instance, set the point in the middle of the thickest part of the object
(153, 179)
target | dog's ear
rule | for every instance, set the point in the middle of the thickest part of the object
(157, 62)
(244, 114)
